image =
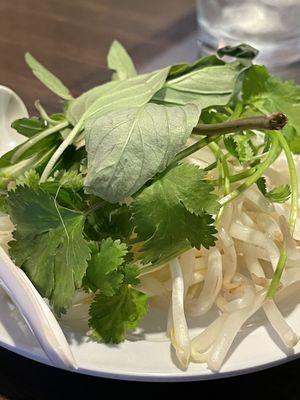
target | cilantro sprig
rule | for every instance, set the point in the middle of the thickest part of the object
(182, 218)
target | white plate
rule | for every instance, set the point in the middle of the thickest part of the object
(148, 356)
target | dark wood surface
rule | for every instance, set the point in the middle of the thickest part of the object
(72, 37)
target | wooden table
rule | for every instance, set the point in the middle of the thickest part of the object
(72, 37)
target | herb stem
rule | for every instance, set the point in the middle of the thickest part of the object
(273, 121)
(37, 138)
(215, 149)
(277, 274)
(293, 181)
(271, 157)
(214, 164)
(224, 174)
(59, 151)
(193, 148)
(236, 177)
(43, 113)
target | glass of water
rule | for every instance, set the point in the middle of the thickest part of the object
(271, 26)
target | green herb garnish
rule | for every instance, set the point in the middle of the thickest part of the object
(100, 192)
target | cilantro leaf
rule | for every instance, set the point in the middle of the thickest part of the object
(262, 185)
(230, 145)
(67, 190)
(244, 147)
(117, 306)
(111, 317)
(111, 220)
(131, 273)
(69, 179)
(172, 213)
(30, 178)
(240, 146)
(49, 244)
(103, 269)
(269, 94)
(279, 194)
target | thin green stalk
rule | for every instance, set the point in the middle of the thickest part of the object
(59, 151)
(10, 173)
(293, 181)
(43, 113)
(215, 149)
(293, 214)
(214, 164)
(224, 174)
(273, 121)
(271, 157)
(236, 177)
(37, 138)
(277, 274)
(193, 148)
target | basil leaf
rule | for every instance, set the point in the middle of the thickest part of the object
(103, 99)
(45, 144)
(47, 78)
(28, 126)
(129, 146)
(179, 69)
(210, 86)
(240, 51)
(119, 61)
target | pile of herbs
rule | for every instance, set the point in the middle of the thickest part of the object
(99, 193)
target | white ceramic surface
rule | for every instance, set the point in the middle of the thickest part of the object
(148, 355)
(11, 108)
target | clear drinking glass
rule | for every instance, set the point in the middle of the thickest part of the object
(271, 26)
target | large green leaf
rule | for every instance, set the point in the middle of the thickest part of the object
(119, 61)
(210, 86)
(129, 146)
(49, 244)
(47, 78)
(103, 99)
